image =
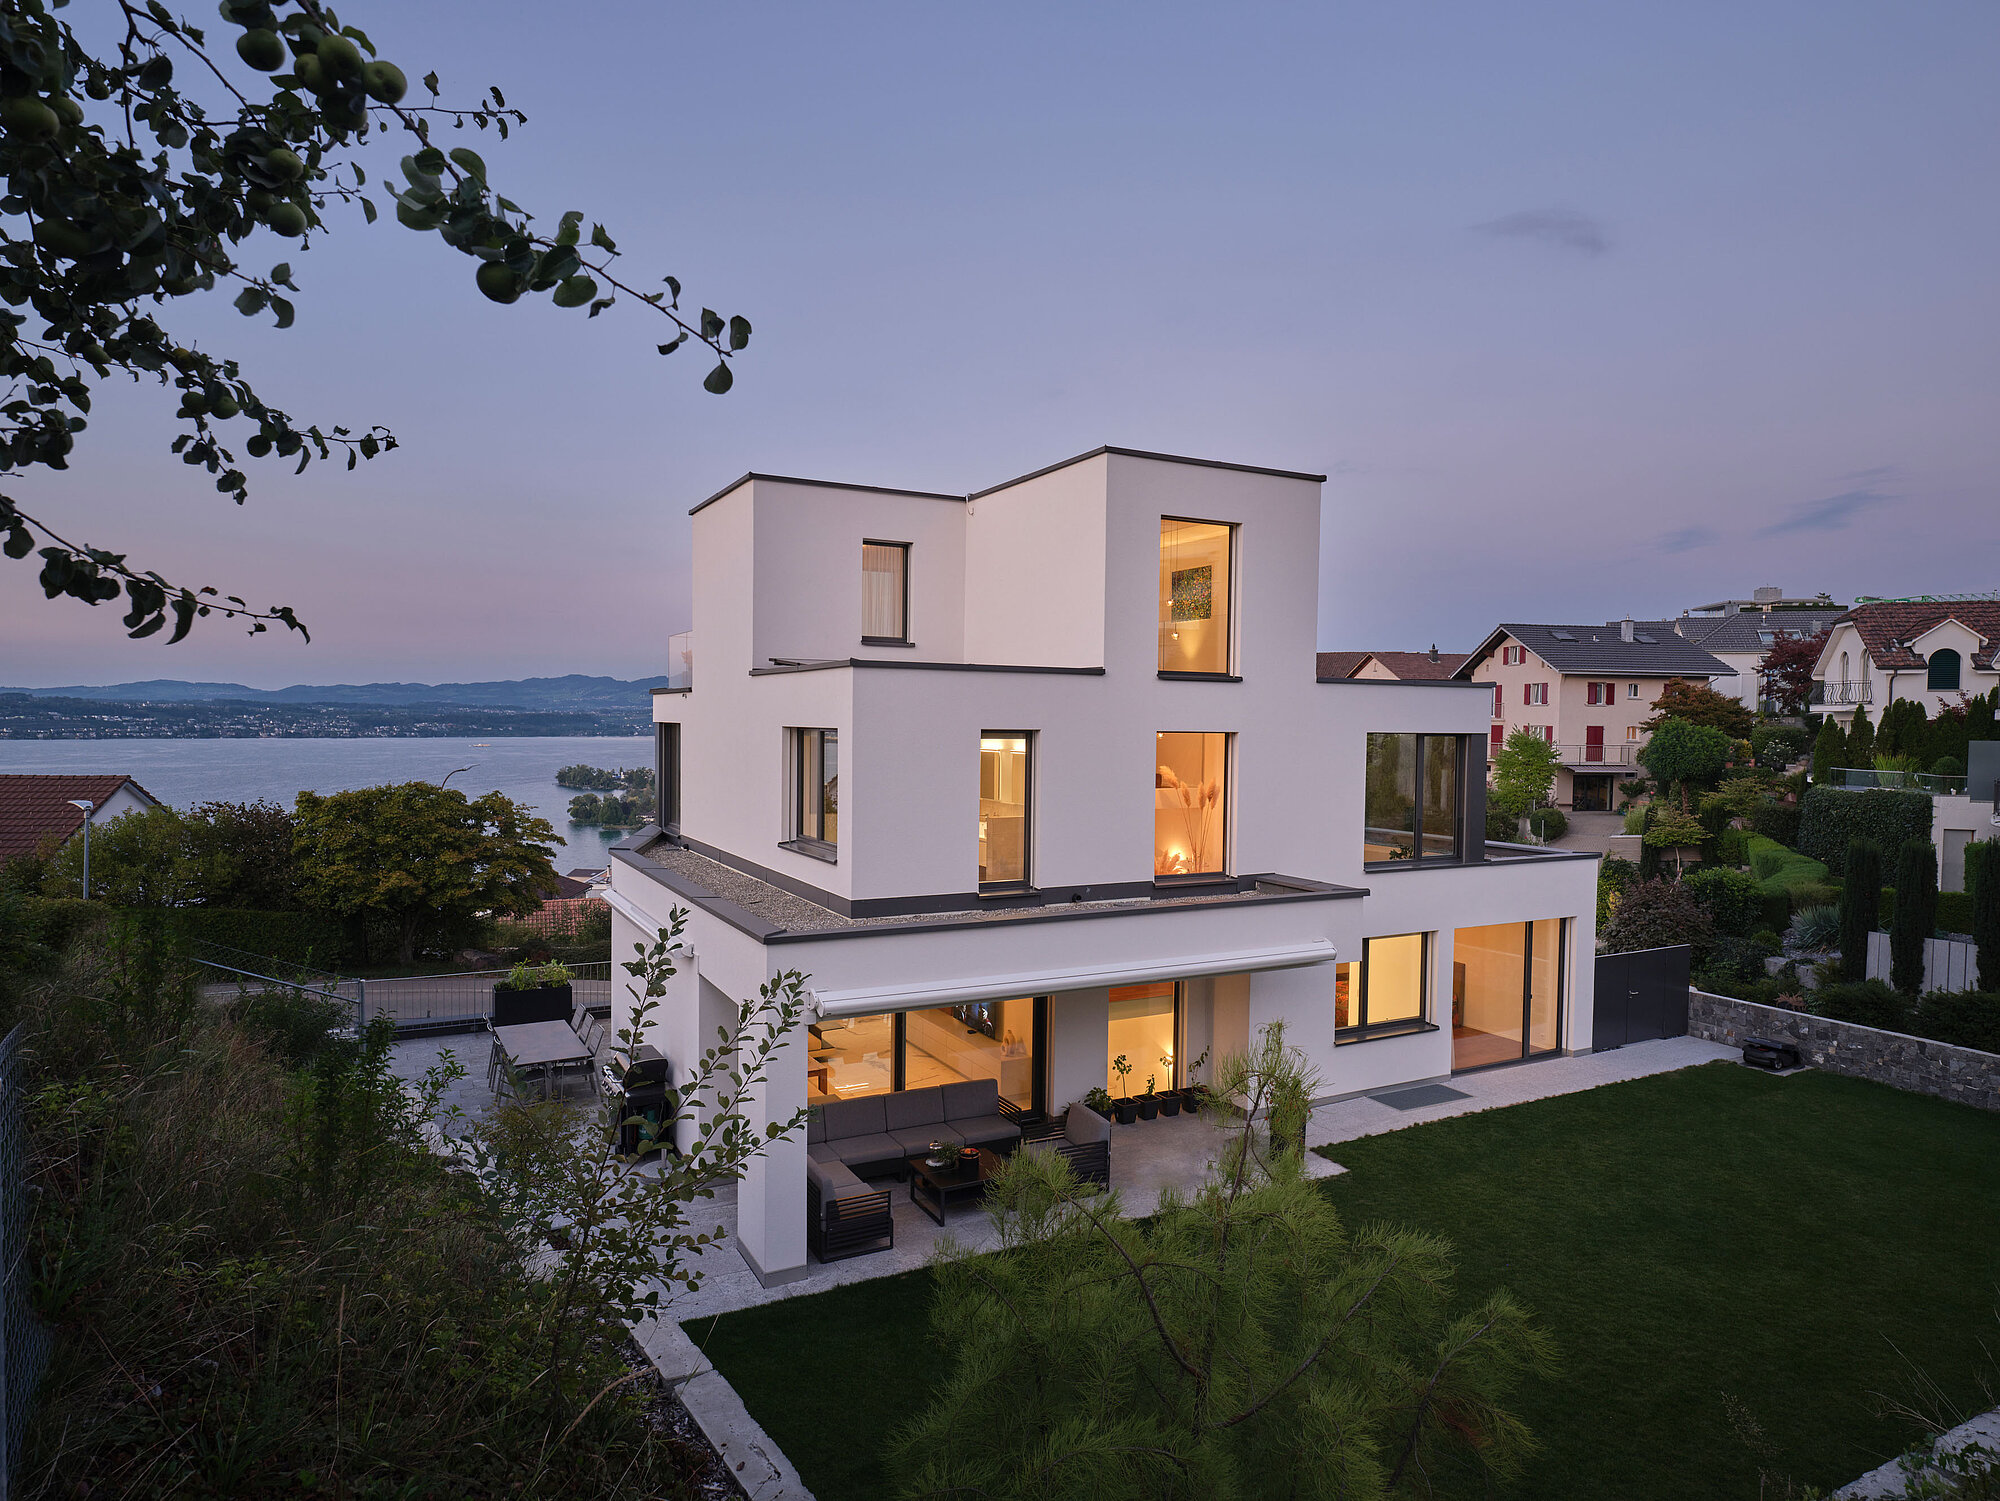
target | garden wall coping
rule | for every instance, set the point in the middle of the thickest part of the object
(1893, 1479)
(758, 1464)
(1918, 1064)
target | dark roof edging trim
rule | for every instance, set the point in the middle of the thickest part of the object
(1140, 453)
(765, 672)
(823, 484)
(1403, 683)
(737, 917)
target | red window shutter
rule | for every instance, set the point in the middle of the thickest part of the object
(1498, 731)
(1593, 695)
(1527, 693)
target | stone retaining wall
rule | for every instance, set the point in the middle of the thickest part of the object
(1915, 1063)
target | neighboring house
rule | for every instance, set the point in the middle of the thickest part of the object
(1398, 666)
(576, 897)
(1936, 650)
(1739, 632)
(1338, 664)
(1029, 780)
(37, 810)
(1586, 689)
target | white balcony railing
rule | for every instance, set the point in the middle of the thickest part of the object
(1842, 693)
(1611, 754)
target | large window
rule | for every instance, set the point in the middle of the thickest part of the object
(816, 793)
(1190, 803)
(862, 1055)
(1390, 993)
(1003, 809)
(1413, 800)
(1195, 595)
(1506, 992)
(1145, 1033)
(667, 776)
(1944, 666)
(885, 592)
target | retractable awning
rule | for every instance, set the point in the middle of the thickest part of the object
(962, 991)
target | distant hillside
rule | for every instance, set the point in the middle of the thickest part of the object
(58, 718)
(572, 692)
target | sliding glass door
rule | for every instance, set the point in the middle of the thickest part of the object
(1005, 1041)
(1506, 992)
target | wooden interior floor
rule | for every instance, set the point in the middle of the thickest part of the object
(1471, 1048)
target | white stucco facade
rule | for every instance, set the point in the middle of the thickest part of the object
(1035, 610)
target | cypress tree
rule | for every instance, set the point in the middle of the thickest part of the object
(1860, 901)
(1916, 914)
(1861, 739)
(1985, 887)
(1649, 854)
(1829, 751)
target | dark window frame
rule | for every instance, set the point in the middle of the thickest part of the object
(904, 609)
(1363, 1029)
(808, 756)
(667, 777)
(1461, 800)
(1528, 1050)
(1228, 674)
(1038, 1076)
(1027, 877)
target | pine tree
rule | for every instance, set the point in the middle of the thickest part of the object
(1984, 883)
(1829, 751)
(1916, 914)
(1860, 901)
(1861, 739)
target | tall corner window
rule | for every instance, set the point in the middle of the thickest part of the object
(816, 789)
(1190, 803)
(1393, 992)
(1003, 809)
(885, 592)
(1943, 674)
(667, 776)
(1196, 594)
(1414, 803)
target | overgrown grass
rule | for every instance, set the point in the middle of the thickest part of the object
(261, 1283)
(1814, 1250)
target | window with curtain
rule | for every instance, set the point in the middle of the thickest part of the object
(885, 591)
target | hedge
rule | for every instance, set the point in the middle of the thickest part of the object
(1832, 816)
(1777, 821)
(296, 937)
(1965, 1019)
(1954, 910)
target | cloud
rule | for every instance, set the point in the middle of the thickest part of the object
(1828, 515)
(1561, 227)
(1687, 539)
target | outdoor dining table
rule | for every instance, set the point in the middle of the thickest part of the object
(547, 1046)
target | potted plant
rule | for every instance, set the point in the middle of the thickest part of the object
(1099, 1099)
(532, 994)
(1126, 1107)
(1170, 1099)
(1149, 1101)
(1193, 1093)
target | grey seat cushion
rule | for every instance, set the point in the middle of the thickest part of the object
(860, 1117)
(986, 1131)
(879, 1147)
(913, 1108)
(971, 1097)
(822, 1151)
(1083, 1126)
(836, 1182)
(915, 1139)
(815, 1125)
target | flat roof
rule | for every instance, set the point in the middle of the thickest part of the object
(822, 484)
(1163, 458)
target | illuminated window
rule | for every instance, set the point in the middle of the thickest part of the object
(1145, 1026)
(1190, 803)
(1195, 595)
(1003, 810)
(850, 1056)
(1392, 989)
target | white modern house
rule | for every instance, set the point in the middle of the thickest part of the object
(1031, 779)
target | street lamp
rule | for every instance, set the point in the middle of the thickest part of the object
(88, 808)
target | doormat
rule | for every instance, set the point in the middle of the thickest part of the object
(1422, 1095)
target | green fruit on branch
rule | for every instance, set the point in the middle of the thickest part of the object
(223, 405)
(385, 83)
(340, 57)
(67, 110)
(65, 239)
(499, 281)
(287, 219)
(258, 446)
(26, 115)
(284, 163)
(260, 200)
(262, 50)
(311, 76)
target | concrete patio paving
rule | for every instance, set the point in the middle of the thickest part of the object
(1145, 1157)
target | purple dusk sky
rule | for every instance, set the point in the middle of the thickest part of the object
(1586, 310)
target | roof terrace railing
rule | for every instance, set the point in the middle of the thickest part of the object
(680, 661)
(1862, 778)
(1610, 753)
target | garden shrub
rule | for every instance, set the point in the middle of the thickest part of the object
(1732, 899)
(312, 938)
(1615, 877)
(1777, 908)
(1963, 1018)
(1831, 817)
(1866, 1003)
(1635, 819)
(1502, 826)
(1776, 746)
(1954, 912)
(1658, 914)
(1729, 847)
(1915, 916)
(1816, 930)
(1548, 823)
(1730, 962)
(58, 922)
(1860, 905)
(1777, 821)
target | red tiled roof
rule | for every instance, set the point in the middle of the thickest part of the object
(1888, 628)
(1420, 664)
(1338, 664)
(34, 808)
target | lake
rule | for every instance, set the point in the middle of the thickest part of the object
(186, 772)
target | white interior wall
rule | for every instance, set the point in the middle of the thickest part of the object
(1079, 1032)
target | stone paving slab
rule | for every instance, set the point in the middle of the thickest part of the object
(1892, 1479)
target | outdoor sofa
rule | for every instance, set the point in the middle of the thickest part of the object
(1083, 1139)
(877, 1134)
(844, 1216)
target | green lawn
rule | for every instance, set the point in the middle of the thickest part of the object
(1806, 1245)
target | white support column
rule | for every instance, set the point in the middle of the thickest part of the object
(771, 1200)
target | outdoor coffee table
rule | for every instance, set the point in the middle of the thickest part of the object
(932, 1188)
(547, 1046)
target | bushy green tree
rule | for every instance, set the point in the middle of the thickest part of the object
(1697, 703)
(1915, 916)
(138, 859)
(1693, 755)
(421, 857)
(137, 179)
(243, 855)
(1860, 900)
(1829, 751)
(1659, 914)
(1239, 1342)
(1523, 772)
(1732, 899)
